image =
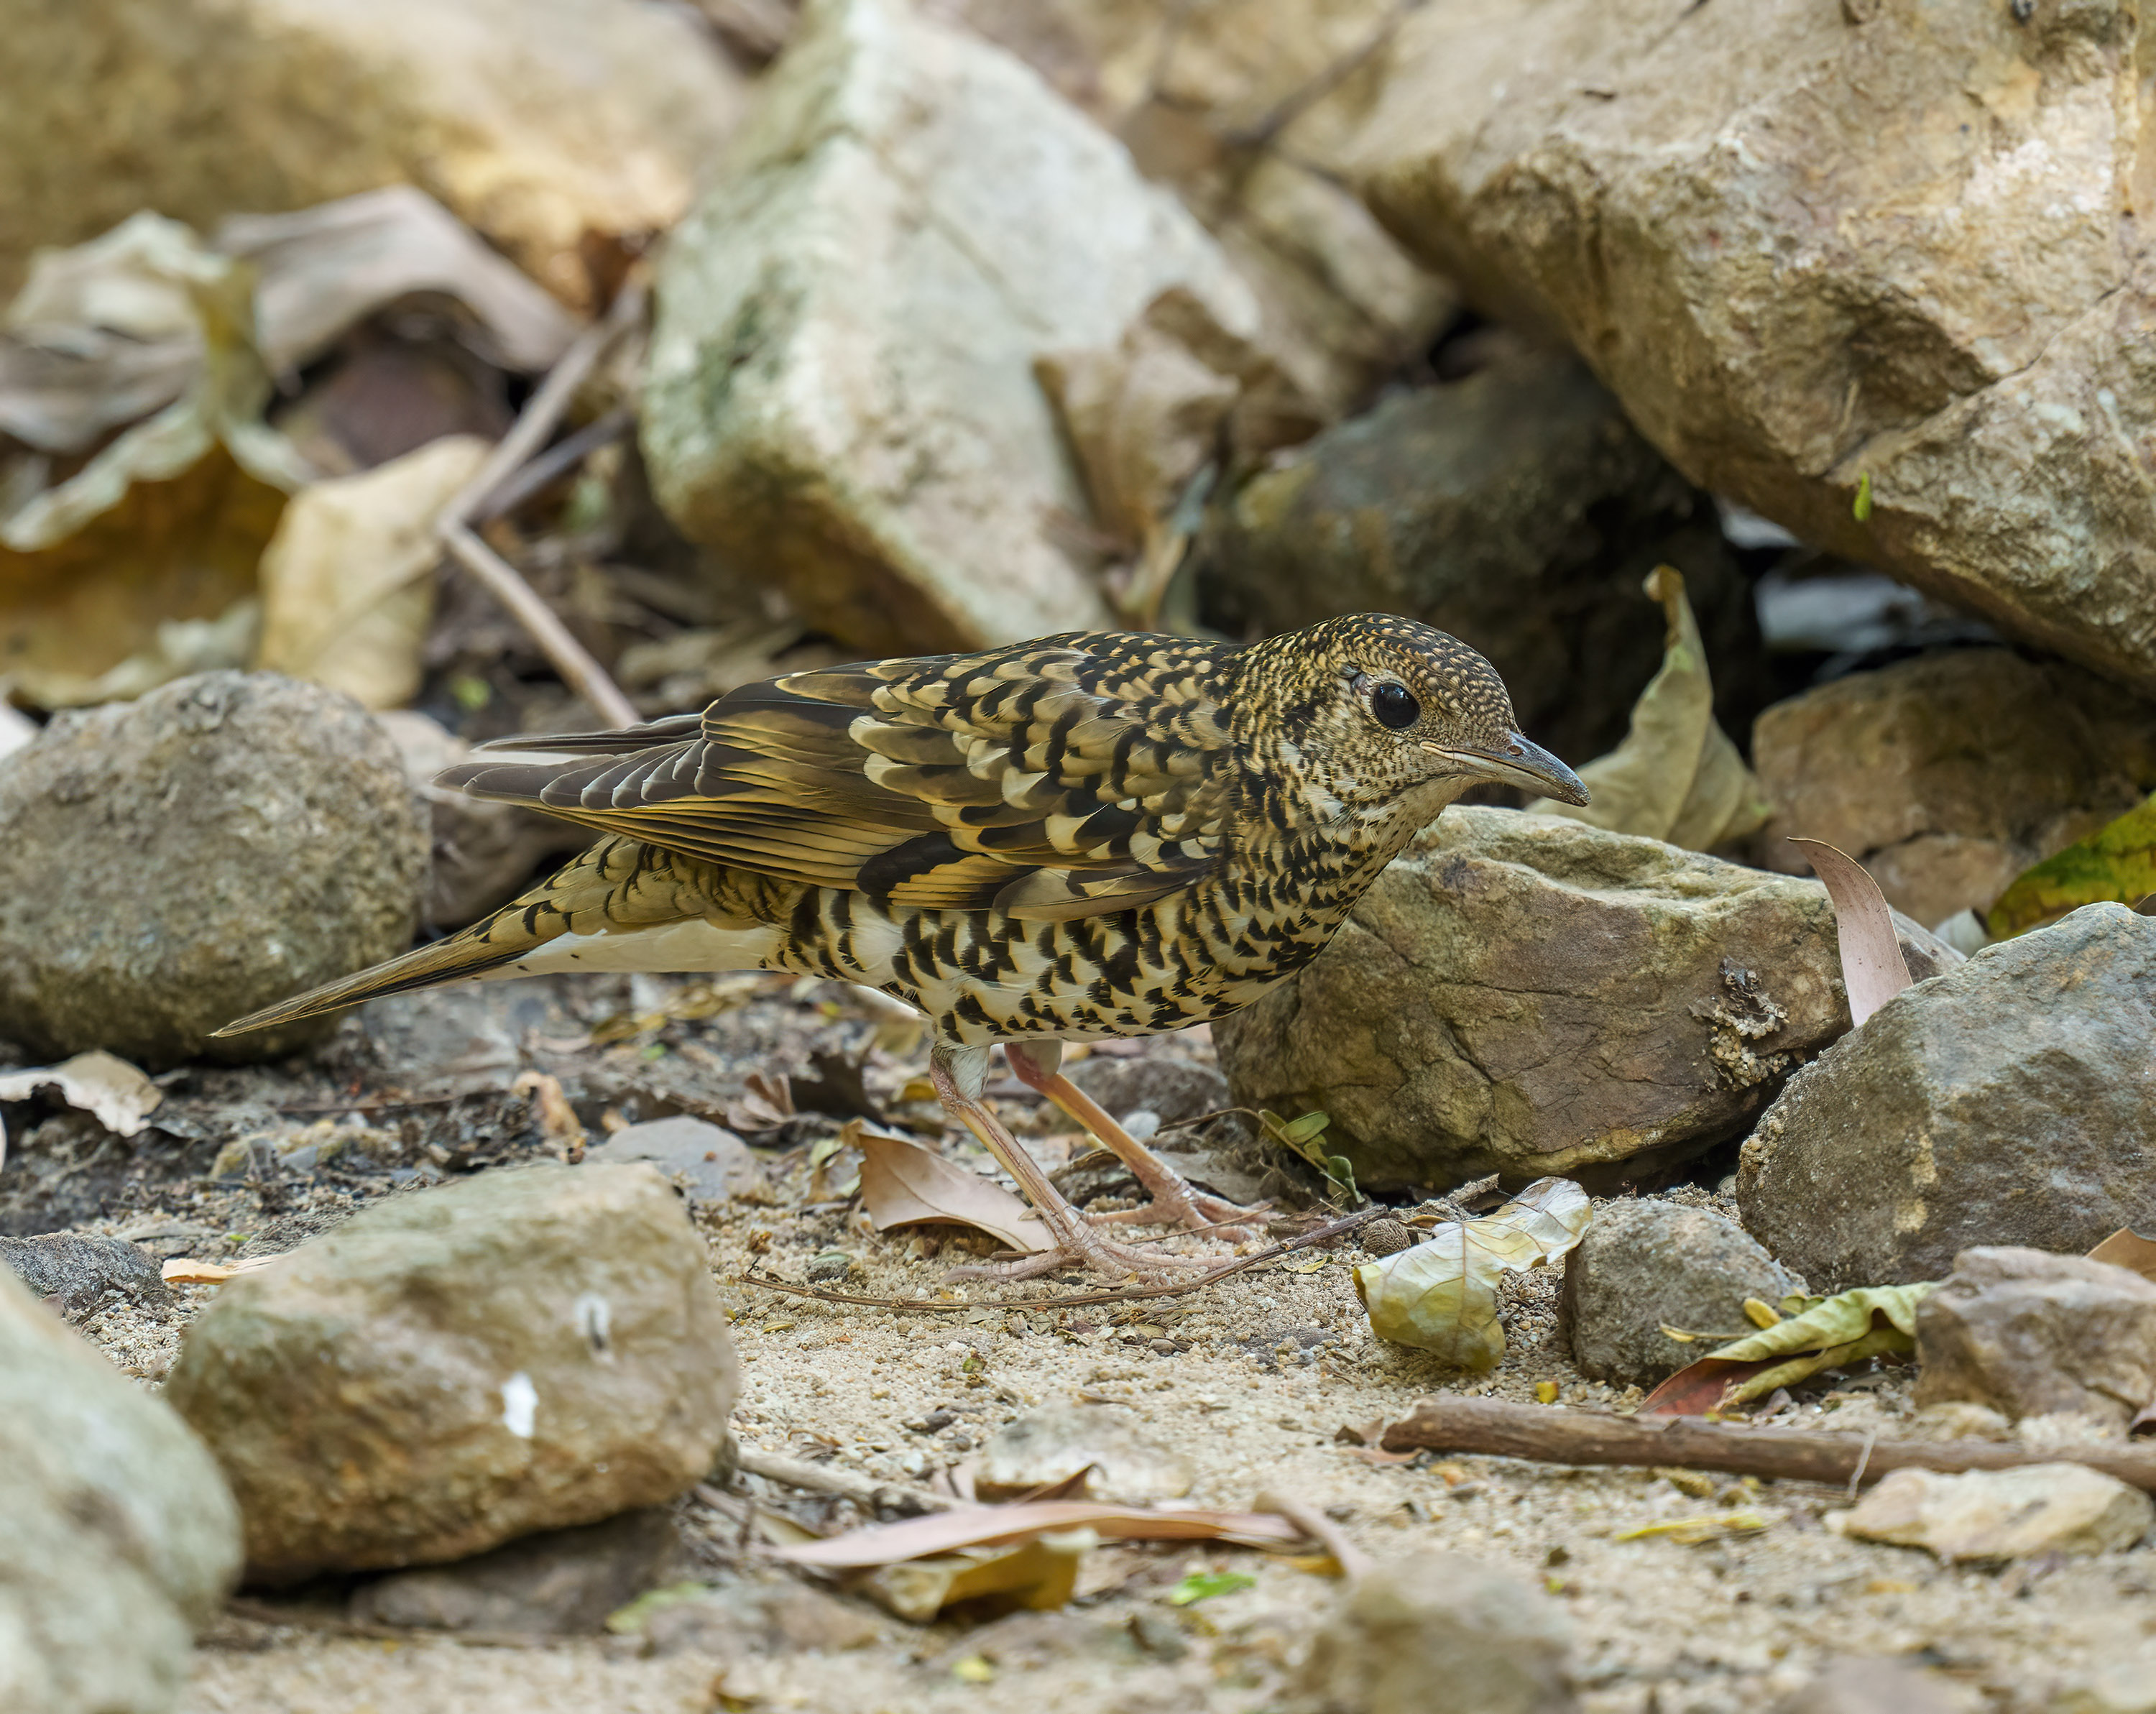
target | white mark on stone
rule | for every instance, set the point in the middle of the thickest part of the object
(520, 1405)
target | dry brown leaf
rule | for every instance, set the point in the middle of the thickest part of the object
(2127, 1249)
(347, 592)
(983, 1526)
(1873, 970)
(117, 1094)
(903, 1182)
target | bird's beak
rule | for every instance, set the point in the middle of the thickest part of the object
(1519, 762)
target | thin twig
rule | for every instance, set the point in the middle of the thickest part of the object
(864, 1490)
(1351, 1559)
(1120, 1294)
(1551, 1435)
(526, 436)
(568, 657)
(563, 456)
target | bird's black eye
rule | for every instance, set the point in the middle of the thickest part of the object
(1394, 707)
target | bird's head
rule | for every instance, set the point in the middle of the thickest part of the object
(1388, 719)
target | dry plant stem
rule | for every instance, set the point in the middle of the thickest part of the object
(564, 652)
(525, 437)
(1351, 1559)
(558, 459)
(1559, 1436)
(1076, 1300)
(822, 1479)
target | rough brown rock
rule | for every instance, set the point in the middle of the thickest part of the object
(1401, 1630)
(545, 124)
(1948, 775)
(2007, 1102)
(889, 456)
(83, 1271)
(1516, 509)
(1647, 1265)
(1529, 995)
(120, 1537)
(2028, 1334)
(1808, 245)
(543, 1348)
(172, 863)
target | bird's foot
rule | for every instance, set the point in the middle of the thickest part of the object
(1118, 1264)
(1177, 1202)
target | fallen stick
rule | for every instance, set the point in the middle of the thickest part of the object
(526, 436)
(1550, 1435)
(824, 1479)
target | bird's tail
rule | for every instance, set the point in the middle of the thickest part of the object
(604, 887)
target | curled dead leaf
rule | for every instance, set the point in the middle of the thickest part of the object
(1440, 1296)
(1873, 970)
(1677, 777)
(903, 1182)
(119, 1096)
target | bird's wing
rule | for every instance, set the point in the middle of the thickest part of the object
(1069, 777)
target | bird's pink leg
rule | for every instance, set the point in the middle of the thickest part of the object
(1175, 1200)
(1075, 1243)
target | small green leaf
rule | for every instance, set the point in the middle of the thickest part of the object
(2117, 862)
(472, 694)
(1305, 1128)
(1862, 509)
(657, 1051)
(1203, 1585)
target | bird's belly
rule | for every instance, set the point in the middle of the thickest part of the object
(691, 944)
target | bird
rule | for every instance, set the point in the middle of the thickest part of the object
(1080, 838)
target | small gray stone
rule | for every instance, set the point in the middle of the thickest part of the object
(1158, 1083)
(2028, 1334)
(1531, 995)
(1055, 1441)
(174, 862)
(80, 1269)
(1865, 1686)
(709, 1162)
(556, 1584)
(120, 1537)
(2007, 1102)
(1439, 1629)
(542, 1347)
(1647, 1264)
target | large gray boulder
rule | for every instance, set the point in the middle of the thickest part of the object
(121, 1540)
(172, 863)
(2010, 1101)
(1529, 995)
(1825, 252)
(842, 395)
(526, 1350)
(1516, 509)
(1947, 775)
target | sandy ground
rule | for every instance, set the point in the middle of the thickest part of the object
(1251, 1379)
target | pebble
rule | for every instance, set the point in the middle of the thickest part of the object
(1059, 1439)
